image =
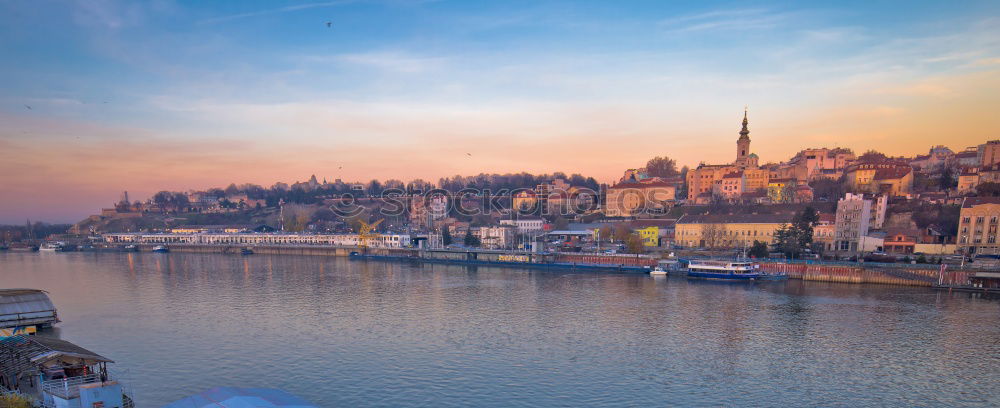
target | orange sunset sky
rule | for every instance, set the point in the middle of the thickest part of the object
(103, 96)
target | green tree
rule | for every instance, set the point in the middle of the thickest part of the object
(792, 239)
(471, 240)
(622, 232)
(605, 233)
(988, 189)
(758, 250)
(560, 223)
(634, 244)
(948, 180)
(446, 236)
(872, 156)
(661, 167)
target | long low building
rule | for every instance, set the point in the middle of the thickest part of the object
(349, 240)
(728, 231)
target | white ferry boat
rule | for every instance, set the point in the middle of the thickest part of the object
(52, 247)
(729, 270)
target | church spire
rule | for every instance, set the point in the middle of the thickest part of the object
(745, 133)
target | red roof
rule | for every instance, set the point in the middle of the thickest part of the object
(971, 201)
(633, 184)
(892, 173)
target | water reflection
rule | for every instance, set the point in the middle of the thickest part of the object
(370, 334)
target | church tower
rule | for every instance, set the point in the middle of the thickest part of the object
(743, 143)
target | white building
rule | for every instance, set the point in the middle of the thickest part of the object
(348, 240)
(495, 237)
(527, 225)
(854, 214)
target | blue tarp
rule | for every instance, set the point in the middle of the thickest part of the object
(230, 397)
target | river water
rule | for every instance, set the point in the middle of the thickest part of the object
(369, 334)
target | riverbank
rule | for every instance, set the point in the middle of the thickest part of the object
(908, 275)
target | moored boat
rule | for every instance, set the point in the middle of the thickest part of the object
(54, 246)
(658, 271)
(246, 251)
(21, 247)
(57, 373)
(161, 249)
(730, 270)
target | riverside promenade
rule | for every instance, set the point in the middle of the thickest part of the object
(872, 273)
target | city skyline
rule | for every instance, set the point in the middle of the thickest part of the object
(109, 96)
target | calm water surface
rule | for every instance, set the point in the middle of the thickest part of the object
(344, 333)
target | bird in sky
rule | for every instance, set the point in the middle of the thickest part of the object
(329, 24)
(26, 106)
(469, 154)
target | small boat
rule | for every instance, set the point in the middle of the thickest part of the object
(730, 271)
(246, 251)
(161, 249)
(658, 271)
(21, 247)
(52, 247)
(130, 248)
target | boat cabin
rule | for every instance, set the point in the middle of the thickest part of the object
(731, 267)
(58, 374)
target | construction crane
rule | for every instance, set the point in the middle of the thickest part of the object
(366, 233)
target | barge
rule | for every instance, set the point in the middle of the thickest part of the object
(565, 266)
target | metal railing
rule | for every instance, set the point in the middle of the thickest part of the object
(67, 388)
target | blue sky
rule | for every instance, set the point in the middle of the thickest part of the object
(155, 95)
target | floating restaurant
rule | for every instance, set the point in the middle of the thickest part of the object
(58, 374)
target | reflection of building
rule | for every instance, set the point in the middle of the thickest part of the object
(728, 231)
(977, 228)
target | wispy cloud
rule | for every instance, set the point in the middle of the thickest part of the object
(297, 7)
(741, 19)
(393, 61)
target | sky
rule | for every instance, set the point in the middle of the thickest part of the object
(102, 96)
